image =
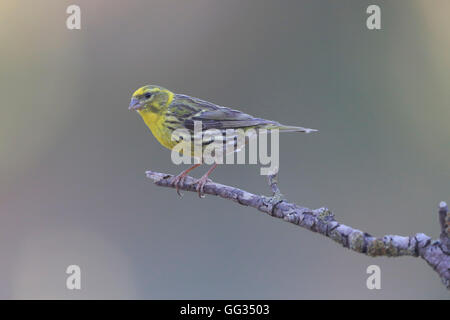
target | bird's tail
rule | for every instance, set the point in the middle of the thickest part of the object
(284, 128)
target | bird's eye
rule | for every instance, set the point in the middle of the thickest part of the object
(147, 95)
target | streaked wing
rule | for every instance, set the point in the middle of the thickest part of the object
(184, 111)
(211, 116)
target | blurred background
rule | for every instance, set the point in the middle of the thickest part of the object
(73, 158)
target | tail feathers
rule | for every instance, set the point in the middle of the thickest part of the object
(283, 128)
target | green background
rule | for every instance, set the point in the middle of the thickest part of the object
(73, 189)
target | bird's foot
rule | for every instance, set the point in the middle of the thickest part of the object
(178, 181)
(201, 184)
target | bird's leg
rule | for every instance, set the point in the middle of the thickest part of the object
(203, 180)
(179, 179)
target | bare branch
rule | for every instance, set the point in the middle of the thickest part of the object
(435, 252)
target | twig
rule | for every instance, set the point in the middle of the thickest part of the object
(435, 252)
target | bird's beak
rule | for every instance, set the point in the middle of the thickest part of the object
(134, 104)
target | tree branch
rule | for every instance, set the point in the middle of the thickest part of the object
(435, 252)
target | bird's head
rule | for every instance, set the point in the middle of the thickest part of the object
(150, 99)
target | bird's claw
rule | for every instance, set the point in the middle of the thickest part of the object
(177, 182)
(201, 184)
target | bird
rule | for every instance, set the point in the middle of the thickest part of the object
(164, 111)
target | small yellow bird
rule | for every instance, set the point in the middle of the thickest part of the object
(164, 112)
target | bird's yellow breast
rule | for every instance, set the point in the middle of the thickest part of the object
(155, 122)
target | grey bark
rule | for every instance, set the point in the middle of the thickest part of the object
(435, 252)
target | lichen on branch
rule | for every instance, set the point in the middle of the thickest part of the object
(435, 252)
